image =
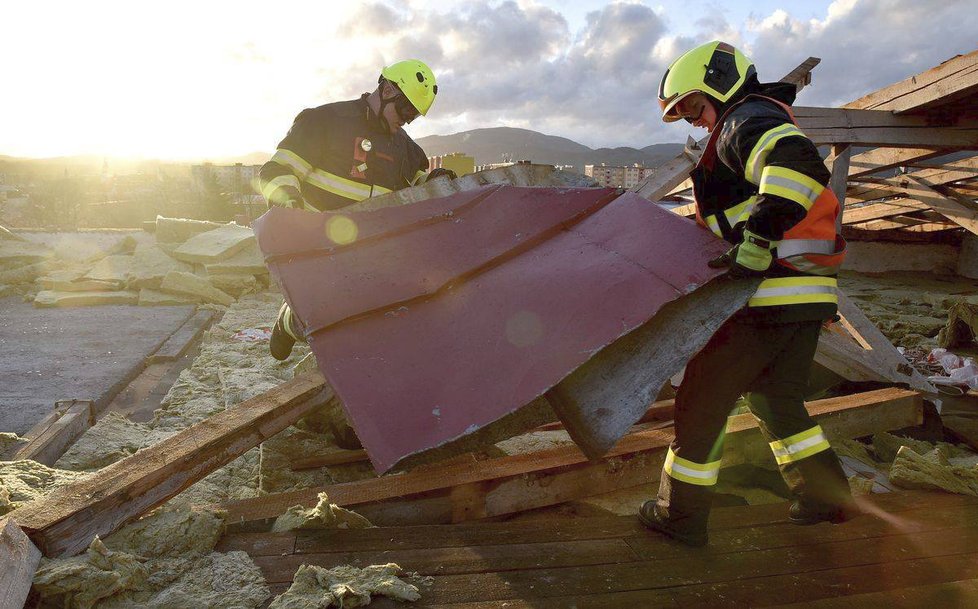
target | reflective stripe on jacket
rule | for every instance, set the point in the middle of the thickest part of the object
(811, 252)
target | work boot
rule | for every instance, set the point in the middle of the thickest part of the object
(281, 342)
(694, 536)
(804, 513)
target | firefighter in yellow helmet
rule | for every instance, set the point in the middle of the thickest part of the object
(762, 186)
(341, 153)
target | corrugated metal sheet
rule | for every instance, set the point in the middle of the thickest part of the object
(440, 317)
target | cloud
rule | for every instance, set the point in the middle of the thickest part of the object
(864, 45)
(519, 64)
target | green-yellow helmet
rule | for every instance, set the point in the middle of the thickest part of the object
(416, 80)
(716, 69)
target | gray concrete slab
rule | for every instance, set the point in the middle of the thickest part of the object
(86, 352)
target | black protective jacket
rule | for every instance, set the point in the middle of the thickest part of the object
(338, 154)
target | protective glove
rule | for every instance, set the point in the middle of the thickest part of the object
(439, 172)
(750, 257)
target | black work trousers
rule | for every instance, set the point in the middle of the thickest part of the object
(770, 365)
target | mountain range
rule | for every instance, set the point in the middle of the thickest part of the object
(489, 145)
(499, 144)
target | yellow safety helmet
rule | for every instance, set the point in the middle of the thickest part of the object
(715, 69)
(416, 80)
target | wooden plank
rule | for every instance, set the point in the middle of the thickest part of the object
(68, 425)
(65, 521)
(899, 137)
(881, 159)
(786, 535)
(18, 561)
(962, 169)
(957, 211)
(178, 342)
(749, 592)
(339, 457)
(840, 171)
(726, 571)
(443, 561)
(876, 211)
(881, 363)
(802, 75)
(814, 117)
(963, 593)
(547, 477)
(954, 79)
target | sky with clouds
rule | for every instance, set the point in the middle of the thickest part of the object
(192, 79)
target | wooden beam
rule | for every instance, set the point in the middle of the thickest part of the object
(505, 485)
(953, 209)
(851, 360)
(65, 521)
(881, 159)
(898, 137)
(802, 75)
(68, 424)
(339, 457)
(18, 561)
(962, 169)
(956, 78)
(842, 154)
(875, 211)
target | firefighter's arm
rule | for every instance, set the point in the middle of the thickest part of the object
(786, 168)
(280, 179)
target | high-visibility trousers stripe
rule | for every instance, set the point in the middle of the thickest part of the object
(701, 474)
(795, 290)
(800, 446)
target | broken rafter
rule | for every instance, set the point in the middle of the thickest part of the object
(18, 560)
(961, 212)
(505, 485)
(65, 521)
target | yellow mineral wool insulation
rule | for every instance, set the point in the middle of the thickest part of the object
(325, 515)
(10, 443)
(23, 481)
(860, 485)
(886, 445)
(318, 588)
(932, 471)
(169, 533)
(112, 438)
(182, 283)
(106, 579)
(165, 561)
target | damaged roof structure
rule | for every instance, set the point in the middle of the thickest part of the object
(517, 301)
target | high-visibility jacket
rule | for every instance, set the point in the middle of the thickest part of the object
(338, 154)
(760, 173)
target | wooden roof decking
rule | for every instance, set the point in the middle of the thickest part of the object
(913, 547)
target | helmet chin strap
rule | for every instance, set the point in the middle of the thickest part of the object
(384, 101)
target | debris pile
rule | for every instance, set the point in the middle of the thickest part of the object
(188, 262)
(164, 560)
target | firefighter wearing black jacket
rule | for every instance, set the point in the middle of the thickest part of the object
(339, 154)
(761, 185)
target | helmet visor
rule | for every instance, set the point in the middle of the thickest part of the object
(689, 106)
(405, 109)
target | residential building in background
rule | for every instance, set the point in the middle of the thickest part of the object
(237, 179)
(458, 162)
(618, 177)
